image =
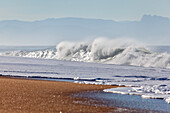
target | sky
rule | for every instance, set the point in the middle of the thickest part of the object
(30, 10)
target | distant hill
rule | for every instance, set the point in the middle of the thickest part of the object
(152, 29)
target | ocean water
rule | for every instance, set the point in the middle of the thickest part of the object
(120, 52)
(160, 49)
(101, 61)
(126, 101)
(24, 48)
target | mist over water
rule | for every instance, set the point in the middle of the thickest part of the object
(102, 50)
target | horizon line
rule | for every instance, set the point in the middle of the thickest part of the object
(48, 18)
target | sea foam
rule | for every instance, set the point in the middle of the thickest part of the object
(102, 50)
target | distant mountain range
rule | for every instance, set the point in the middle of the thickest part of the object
(151, 29)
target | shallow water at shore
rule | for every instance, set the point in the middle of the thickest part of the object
(127, 101)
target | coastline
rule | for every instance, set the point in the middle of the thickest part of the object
(22, 95)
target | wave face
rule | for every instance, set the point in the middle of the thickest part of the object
(97, 51)
(119, 51)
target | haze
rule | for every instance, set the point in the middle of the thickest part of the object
(37, 22)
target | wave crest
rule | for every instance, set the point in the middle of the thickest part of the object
(65, 50)
(119, 51)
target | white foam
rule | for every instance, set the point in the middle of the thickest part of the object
(46, 54)
(168, 100)
(149, 82)
(148, 91)
(119, 51)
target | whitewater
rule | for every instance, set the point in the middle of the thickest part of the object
(101, 50)
(101, 61)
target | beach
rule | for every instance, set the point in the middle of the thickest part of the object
(35, 96)
(20, 93)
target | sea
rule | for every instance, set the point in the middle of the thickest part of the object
(145, 70)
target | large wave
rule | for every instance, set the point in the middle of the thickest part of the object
(119, 51)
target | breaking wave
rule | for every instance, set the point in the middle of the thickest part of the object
(119, 51)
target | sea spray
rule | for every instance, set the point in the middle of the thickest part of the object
(102, 50)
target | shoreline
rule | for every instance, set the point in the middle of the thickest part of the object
(22, 95)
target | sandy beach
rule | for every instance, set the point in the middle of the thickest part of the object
(35, 96)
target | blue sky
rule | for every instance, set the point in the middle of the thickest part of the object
(103, 9)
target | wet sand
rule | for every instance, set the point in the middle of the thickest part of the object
(36, 96)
